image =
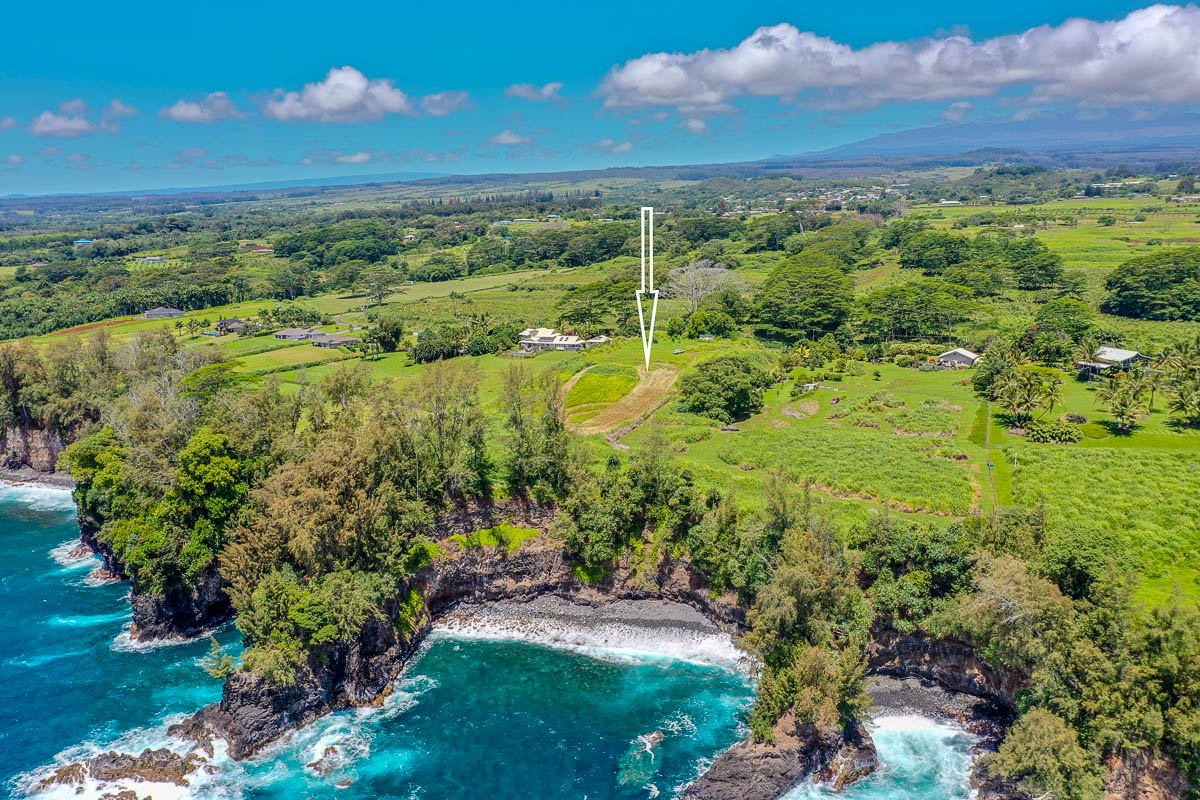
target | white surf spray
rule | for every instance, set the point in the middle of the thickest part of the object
(38, 498)
(631, 631)
(919, 759)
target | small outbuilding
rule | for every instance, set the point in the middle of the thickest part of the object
(958, 357)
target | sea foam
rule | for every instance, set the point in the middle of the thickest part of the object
(632, 631)
(39, 498)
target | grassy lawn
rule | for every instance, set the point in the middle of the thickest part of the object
(341, 303)
(606, 383)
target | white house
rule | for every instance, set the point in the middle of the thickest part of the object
(1110, 358)
(162, 313)
(1124, 359)
(549, 339)
(334, 340)
(958, 357)
(298, 334)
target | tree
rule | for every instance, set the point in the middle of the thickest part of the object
(933, 252)
(217, 663)
(1106, 220)
(1186, 185)
(389, 331)
(1184, 400)
(806, 294)
(1067, 316)
(380, 281)
(1021, 393)
(727, 387)
(1044, 754)
(1039, 271)
(1126, 406)
(1164, 285)
(1154, 382)
(697, 281)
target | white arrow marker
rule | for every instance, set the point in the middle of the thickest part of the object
(647, 285)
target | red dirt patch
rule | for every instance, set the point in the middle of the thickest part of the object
(84, 328)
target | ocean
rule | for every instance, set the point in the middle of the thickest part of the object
(477, 714)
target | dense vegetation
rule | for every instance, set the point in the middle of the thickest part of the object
(308, 487)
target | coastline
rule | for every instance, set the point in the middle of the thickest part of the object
(637, 628)
(28, 477)
(162, 761)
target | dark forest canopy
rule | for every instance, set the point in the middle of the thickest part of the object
(1164, 285)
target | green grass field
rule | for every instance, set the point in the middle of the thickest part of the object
(606, 383)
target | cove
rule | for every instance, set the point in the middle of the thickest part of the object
(471, 716)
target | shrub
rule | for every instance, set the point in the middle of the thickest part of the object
(1052, 432)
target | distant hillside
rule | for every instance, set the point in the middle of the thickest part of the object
(1064, 141)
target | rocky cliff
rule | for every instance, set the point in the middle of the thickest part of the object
(252, 713)
(183, 612)
(764, 771)
(31, 444)
(951, 663)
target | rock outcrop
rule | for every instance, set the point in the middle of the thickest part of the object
(856, 759)
(183, 612)
(766, 770)
(1144, 776)
(953, 664)
(31, 444)
(151, 766)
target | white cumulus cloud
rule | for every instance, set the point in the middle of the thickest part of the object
(14, 160)
(1150, 55)
(118, 109)
(508, 138)
(68, 123)
(610, 145)
(537, 94)
(346, 95)
(213, 108)
(957, 112)
(7, 123)
(696, 126)
(443, 104)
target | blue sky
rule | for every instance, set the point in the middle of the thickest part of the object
(139, 95)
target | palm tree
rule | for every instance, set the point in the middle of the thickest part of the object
(1182, 358)
(1020, 394)
(1185, 401)
(1154, 382)
(1126, 407)
(480, 321)
(1113, 385)
(1088, 349)
(1051, 395)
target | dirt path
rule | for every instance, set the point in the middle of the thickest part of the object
(653, 389)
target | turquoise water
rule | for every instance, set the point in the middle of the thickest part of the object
(472, 718)
(919, 759)
(65, 675)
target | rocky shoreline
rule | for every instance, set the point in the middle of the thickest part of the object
(28, 476)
